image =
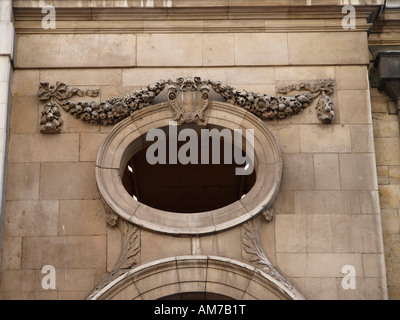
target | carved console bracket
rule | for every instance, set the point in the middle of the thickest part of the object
(188, 97)
(255, 254)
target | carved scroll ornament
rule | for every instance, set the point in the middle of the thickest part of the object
(130, 255)
(188, 97)
(255, 254)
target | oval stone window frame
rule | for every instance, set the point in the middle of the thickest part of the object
(128, 137)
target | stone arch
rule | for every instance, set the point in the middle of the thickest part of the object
(183, 274)
(127, 138)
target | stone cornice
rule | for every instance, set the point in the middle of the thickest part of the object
(200, 18)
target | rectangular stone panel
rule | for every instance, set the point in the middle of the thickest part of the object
(218, 49)
(31, 218)
(261, 49)
(69, 180)
(356, 233)
(354, 106)
(44, 147)
(76, 50)
(89, 145)
(22, 181)
(387, 151)
(25, 83)
(327, 202)
(81, 252)
(325, 138)
(298, 172)
(169, 50)
(326, 169)
(82, 217)
(24, 116)
(290, 233)
(11, 253)
(358, 172)
(352, 77)
(328, 48)
(362, 138)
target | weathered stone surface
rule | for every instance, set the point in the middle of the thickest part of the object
(261, 49)
(357, 172)
(24, 117)
(352, 77)
(23, 181)
(387, 151)
(31, 218)
(383, 174)
(389, 196)
(326, 169)
(156, 246)
(100, 50)
(169, 50)
(385, 125)
(327, 202)
(11, 253)
(44, 148)
(80, 252)
(354, 106)
(288, 137)
(284, 203)
(298, 172)
(232, 76)
(69, 180)
(319, 237)
(290, 231)
(25, 83)
(304, 73)
(89, 144)
(366, 289)
(362, 139)
(82, 217)
(82, 77)
(218, 49)
(356, 233)
(390, 221)
(328, 48)
(394, 175)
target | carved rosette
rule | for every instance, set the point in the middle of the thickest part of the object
(188, 98)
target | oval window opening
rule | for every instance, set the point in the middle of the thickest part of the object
(197, 181)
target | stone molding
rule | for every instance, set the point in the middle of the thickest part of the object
(133, 16)
(195, 273)
(115, 109)
(126, 139)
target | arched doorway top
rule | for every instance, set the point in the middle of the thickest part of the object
(182, 274)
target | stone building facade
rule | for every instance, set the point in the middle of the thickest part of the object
(322, 213)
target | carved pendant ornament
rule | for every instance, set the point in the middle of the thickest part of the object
(188, 98)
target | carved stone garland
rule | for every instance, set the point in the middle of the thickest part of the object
(113, 110)
(252, 245)
(130, 255)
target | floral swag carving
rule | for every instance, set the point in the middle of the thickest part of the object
(115, 109)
